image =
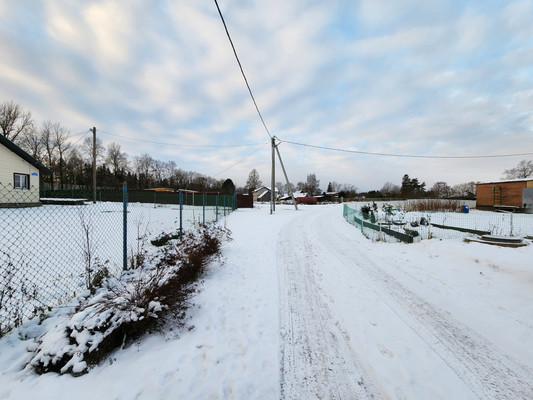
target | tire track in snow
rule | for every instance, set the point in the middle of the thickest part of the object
(317, 360)
(488, 372)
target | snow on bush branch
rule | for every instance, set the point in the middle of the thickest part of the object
(127, 307)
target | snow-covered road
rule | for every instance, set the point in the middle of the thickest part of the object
(350, 329)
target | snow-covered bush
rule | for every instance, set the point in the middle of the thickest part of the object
(16, 294)
(129, 306)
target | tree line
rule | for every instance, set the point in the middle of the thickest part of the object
(409, 188)
(311, 186)
(71, 163)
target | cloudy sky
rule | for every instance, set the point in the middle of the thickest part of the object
(436, 78)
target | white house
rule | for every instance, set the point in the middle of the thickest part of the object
(19, 175)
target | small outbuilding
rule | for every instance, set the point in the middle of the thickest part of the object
(263, 194)
(19, 176)
(512, 195)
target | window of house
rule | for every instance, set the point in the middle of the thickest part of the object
(22, 181)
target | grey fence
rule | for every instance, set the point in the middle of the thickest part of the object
(54, 248)
(393, 224)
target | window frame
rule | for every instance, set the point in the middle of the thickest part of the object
(21, 184)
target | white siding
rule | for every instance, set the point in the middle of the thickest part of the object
(11, 163)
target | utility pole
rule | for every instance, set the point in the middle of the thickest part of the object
(286, 179)
(94, 165)
(273, 180)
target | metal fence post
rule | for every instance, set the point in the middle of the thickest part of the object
(203, 208)
(181, 213)
(216, 208)
(155, 198)
(125, 226)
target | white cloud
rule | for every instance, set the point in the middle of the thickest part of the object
(407, 77)
(517, 17)
(471, 33)
(113, 26)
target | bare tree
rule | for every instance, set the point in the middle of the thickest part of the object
(349, 190)
(179, 178)
(441, 190)
(47, 139)
(60, 139)
(87, 150)
(523, 170)
(253, 181)
(334, 186)
(30, 141)
(312, 185)
(116, 158)
(289, 188)
(143, 168)
(158, 170)
(464, 190)
(389, 189)
(74, 167)
(14, 120)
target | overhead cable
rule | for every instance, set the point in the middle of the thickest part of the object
(403, 155)
(83, 134)
(242, 71)
(240, 161)
(179, 145)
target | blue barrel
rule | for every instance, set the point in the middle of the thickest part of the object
(466, 210)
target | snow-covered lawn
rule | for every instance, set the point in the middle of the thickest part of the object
(306, 307)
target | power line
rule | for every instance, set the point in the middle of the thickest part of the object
(83, 134)
(403, 155)
(179, 145)
(242, 71)
(80, 133)
(240, 161)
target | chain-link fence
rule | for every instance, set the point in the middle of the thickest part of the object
(52, 250)
(391, 224)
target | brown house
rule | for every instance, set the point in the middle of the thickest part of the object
(510, 194)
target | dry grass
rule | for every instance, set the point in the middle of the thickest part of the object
(432, 205)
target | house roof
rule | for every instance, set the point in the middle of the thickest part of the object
(267, 191)
(506, 181)
(25, 156)
(263, 188)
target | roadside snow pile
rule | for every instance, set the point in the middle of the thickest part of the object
(125, 307)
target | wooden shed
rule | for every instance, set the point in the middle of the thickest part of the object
(506, 194)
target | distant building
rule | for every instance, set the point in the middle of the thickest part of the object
(264, 194)
(507, 194)
(19, 176)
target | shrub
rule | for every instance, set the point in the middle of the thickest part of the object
(164, 238)
(130, 306)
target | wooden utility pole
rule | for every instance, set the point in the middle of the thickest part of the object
(94, 165)
(286, 179)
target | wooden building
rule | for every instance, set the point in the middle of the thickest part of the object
(508, 194)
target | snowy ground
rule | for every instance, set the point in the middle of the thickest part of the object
(306, 307)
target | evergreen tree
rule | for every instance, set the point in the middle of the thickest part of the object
(228, 187)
